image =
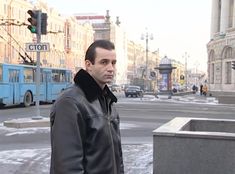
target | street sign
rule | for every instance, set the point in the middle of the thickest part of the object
(37, 47)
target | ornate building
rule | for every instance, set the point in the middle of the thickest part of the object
(67, 38)
(221, 49)
(105, 28)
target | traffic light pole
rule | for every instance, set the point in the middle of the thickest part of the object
(38, 116)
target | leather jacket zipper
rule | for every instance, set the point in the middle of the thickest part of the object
(111, 136)
(114, 160)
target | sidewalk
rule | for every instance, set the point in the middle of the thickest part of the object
(197, 98)
(190, 98)
(137, 160)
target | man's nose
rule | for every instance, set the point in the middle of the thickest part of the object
(111, 67)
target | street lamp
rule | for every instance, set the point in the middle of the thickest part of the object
(146, 36)
(186, 56)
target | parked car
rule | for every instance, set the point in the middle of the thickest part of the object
(116, 88)
(124, 86)
(134, 91)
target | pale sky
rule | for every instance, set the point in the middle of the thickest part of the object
(178, 26)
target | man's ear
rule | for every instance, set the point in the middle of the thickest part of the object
(88, 65)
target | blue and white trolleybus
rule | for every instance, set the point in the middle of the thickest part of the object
(18, 84)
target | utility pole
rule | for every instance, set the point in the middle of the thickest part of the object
(186, 73)
(38, 26)
(38, 116)
(146, 37)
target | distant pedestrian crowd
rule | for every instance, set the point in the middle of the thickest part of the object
(203, 89)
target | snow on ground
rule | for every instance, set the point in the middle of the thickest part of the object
(14, 131)
(137, 157)
(137, 160)
(197, 99)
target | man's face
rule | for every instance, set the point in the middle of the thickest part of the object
(104, 67)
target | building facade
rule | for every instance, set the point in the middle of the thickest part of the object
(105, 28)
(68, 39)
(221, 48)
(136, 66)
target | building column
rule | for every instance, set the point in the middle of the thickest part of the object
(233, 14)
(224, 22)
(214, 17)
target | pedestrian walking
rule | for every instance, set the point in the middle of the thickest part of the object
(201, 86)
(194, 88)
(204, 90)
(85, 134)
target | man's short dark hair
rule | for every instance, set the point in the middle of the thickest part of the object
(91, 52)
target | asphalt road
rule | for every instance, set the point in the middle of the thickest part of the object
(28, 150)
(138, 120)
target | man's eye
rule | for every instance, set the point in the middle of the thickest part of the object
(103, 62)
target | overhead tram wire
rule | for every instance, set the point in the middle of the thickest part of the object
(23, 57)
(26, 55)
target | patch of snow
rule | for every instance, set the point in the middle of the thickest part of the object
(20, 131)
(137, 160)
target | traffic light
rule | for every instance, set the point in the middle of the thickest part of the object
(33, 20)
(44, 23)
(233, 64)
(36, 21)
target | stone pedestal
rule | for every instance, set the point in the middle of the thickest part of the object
(194, 145)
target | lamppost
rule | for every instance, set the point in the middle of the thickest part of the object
(146, 36)
(186, 56)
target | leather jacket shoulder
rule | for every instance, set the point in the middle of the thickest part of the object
(85, 134)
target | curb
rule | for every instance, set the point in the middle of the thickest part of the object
(27, 123)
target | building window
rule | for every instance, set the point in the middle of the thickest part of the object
(228, 53)
(212, 73)
(219, 11)
(228, 73)
(231, 13)
(212, 56)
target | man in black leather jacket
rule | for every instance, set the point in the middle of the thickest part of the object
(85, 134)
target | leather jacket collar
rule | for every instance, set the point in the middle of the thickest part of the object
(89, 86)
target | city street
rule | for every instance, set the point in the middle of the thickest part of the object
(184, 67)
(28, 150)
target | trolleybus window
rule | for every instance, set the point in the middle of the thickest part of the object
(28, 75)
(0, 73)
(58, 76)
(13, 75)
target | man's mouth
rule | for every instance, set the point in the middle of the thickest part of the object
(109, 76)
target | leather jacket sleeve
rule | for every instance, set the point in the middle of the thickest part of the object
(67, 130)
(121, 158)
(120, 150)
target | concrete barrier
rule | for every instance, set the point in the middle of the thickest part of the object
(194, 146)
